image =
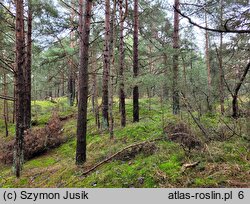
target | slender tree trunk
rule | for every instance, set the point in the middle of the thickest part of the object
(95, 105)
(112, 65)
(165, 85)
(20, 87)
(106, 68)
(121, 68)
(63, 88)
(184, 73)
(111, 126)
(208, 67)
(221, 86)
(136, 63)
(84, 31)
(71, 78)
(5, 105)
(93, 80)
(176, 98)
(14, 102)
(150, 87)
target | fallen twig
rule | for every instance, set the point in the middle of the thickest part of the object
(119, 152)
(186, 166)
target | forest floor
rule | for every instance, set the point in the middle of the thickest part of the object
(223, 163)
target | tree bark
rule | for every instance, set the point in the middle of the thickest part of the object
(236, 91)
(84, 31)
(112, 65)
(176, 97)
(95, 105)
(121, 67)
(221, 86)
(27, 70)
(106, 68)
(208, 66)
(136, 63)
(71, 79)
(20, 87)
(5, 104)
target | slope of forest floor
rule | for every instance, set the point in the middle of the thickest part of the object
(223, 163)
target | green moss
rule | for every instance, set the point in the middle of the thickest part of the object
(57, 167)
(40, 162)
(67, 149)
(23, 181)
(205, 182)
(172, 167)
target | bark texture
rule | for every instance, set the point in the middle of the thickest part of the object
(27, 70)
(19, 87)
(106, 68)
(84, 30)
(176, 97)
(136, 63)
(121, 67)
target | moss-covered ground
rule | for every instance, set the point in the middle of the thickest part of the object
(223, 163)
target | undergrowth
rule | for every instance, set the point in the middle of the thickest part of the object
(222, 163)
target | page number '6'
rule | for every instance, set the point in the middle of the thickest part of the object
(241, 195)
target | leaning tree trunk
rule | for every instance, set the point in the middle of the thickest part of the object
(20, 88)
(84, 30)
(236, 91)
(106, 68)
(176, 97)
(136, 63)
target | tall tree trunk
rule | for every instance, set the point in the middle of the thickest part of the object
(121, 68)
(20, 87)
(221, 86)
(111, 92)
(14, 102)
(208, 67)
(95, 105)
(150, 87)
(27, 71)
(5, 104)
(176, 98)
(136, 63)
(112, 65)
(71, 78)
(106, 68)
(84, 31)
